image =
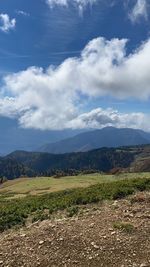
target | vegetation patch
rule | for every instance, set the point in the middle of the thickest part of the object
(16, 211)
(124, 226)
(40, 216)
(71, 211)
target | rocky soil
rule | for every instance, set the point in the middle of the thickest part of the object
(109, 234)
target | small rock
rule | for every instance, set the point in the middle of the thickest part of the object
(95, 246)
(41, 242)
(113, 233)
(1, 262)
(91, 225)
(115, 203)
(23, 235)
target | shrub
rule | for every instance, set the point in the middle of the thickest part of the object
(71, 211)
(124, 226)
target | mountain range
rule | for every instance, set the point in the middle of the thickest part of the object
(106, 137)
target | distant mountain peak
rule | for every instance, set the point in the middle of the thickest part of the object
(105, 137)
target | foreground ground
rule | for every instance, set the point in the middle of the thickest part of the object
(112, 233)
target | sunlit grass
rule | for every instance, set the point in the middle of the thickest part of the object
(37, 186)
(16, 211)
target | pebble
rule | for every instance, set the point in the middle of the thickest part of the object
(92, 225)
(95, 246)
(113, 233)
(41, 242)
(23, 235)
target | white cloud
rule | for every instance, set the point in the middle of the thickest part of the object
(23, 13)
(52, 99)
(139, 10)
(6, 24)
(99, 118)
(52, 3)
(37, 100)
(80, 4)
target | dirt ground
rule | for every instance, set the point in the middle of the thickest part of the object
(88, 239)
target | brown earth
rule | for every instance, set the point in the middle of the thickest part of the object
(88, 239)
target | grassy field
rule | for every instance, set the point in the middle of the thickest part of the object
(36, 186)
(17, 211)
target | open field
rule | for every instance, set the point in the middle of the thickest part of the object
(37, 186)
(38, 207)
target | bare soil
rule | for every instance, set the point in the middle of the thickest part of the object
(87, 239)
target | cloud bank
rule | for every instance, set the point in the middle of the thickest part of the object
(6, 24)
(52, 98)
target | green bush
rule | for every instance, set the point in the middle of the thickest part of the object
(40, 216)
(127, 227)
(71, 211)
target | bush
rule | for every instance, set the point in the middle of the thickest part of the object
(127, 227)
(71, 211)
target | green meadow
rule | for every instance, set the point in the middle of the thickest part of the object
(37, 186)
(45, 196)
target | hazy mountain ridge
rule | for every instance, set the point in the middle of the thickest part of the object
(106, 137)
(88, 154)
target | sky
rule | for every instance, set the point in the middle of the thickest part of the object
(75, 64)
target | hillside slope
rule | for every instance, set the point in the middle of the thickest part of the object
(87, 239)
(11, 168)
(103, 159)
(133, 158)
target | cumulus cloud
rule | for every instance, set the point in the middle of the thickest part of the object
(139, 10)
(51, 98)
(80, 4)
(37, 98)
(99, 118)
(6, 24)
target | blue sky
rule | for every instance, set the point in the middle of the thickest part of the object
(75, 64)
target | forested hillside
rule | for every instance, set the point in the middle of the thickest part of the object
(10, 168)
(22, 163)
